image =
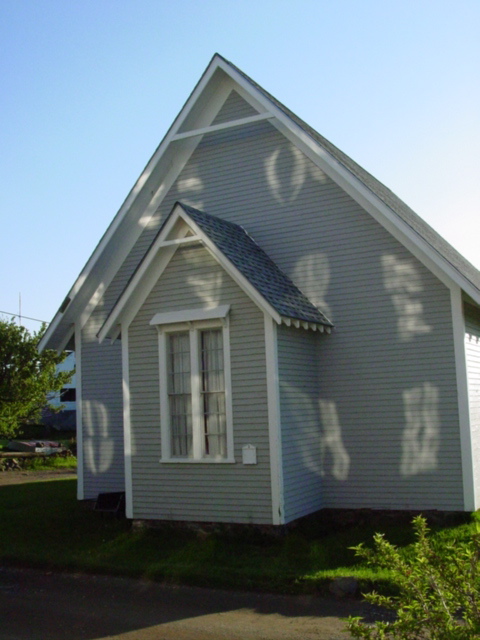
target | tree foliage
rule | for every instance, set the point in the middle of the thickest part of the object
(439, 589)
(26, 377)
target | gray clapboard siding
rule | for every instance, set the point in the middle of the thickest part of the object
(369, 372)
(472, 350)
(234, 108)
(300, 425)
(102, 412)
(200, 492)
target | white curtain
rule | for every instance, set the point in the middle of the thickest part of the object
(179, 394)
(213, 393)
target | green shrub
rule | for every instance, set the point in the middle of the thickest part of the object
(438, 588)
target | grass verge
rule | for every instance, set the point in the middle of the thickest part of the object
(52, 462)
(39, 462)
(44, 526)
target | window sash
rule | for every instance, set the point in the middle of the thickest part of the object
(213, 408)
(180, 395)
(195, 394)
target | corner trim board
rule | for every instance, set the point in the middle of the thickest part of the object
(127, 434)
(470, 498)
(274, 421)
(78, 373)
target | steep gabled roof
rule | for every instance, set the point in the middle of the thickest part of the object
(238, 254)
(413, 220)
(194, 120)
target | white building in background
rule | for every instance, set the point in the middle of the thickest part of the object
(64, 420)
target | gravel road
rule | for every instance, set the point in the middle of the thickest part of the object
(37, 605)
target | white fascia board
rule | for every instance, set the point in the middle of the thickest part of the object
(381, 212)
(188, 145)
(61, 345)
(141, 220)
(321, 157)
(84, 306)
(194, 96)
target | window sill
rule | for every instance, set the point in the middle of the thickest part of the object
(197, 461)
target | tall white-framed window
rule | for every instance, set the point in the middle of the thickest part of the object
(179, 393)
(195, 386)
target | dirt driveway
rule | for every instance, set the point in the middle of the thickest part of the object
(36, 605)
(20, 477)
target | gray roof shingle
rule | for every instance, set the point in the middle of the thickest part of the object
(255, 265)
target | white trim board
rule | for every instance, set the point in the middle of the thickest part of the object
(190, 315)
(274, 422)
(224, 125)
(127, 428)
(79, 413)
(471, 501)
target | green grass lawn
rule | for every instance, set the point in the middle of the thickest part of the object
(45, 463)
(42, 525)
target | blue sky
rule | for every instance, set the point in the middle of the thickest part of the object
(88, 89)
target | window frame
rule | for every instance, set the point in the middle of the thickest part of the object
(193, 322)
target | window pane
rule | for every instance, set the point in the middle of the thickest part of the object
(68, 395)
(179, 394)
(181, 425)
(213, 392)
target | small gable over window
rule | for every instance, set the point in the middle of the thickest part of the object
(236, 251)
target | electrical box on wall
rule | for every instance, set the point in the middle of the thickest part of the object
(249, 454)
